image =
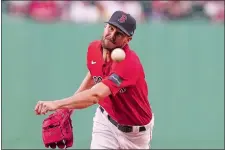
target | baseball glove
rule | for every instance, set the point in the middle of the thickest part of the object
(57, 129)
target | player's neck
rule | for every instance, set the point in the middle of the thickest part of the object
(106, 55)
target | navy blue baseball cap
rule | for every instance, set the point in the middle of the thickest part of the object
(123, 21)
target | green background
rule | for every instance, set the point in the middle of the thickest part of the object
(184, 65)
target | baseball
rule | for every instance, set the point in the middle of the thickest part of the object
(118, 54)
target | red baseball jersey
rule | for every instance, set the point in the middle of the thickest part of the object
(128, 104)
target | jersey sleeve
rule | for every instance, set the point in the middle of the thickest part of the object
(123, 74)
(91, 52)
(88, 55)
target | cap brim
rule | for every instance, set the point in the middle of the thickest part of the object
(118, 26)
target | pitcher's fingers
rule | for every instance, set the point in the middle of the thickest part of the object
(44, 109)
(37, 109)
(40, 108)
(37, 106)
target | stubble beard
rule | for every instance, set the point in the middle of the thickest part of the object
(106, 48)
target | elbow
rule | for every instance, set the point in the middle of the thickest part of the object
(99, 92)
(95, 98)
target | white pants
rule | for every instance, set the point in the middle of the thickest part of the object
(105, 135)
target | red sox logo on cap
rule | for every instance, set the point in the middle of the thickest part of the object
(123, 18)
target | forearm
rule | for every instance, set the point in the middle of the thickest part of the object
(80, 100)
(85, 98)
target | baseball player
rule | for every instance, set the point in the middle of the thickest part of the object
(124, 118)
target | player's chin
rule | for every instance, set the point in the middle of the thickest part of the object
(110, 48)
(109, 45)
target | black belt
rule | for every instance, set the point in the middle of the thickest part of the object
(122, 128)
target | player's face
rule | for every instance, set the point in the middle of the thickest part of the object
(114, 38)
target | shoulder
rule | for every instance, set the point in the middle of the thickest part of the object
(131, 63)
(94, 44)
(93, 47)
(93, 51)
(132, 57)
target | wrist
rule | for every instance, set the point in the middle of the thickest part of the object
(58, 104)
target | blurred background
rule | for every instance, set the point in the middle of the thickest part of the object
(181, 46)
(98, 11)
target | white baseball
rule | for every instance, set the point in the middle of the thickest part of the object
(118, 54)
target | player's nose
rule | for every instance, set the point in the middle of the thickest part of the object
(112, 36)
(112, 39)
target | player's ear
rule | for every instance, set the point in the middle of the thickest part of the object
(129, 38)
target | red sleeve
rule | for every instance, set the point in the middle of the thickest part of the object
(122, 75)
(88, 56)
(91, 51)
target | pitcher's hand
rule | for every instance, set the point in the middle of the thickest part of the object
(44, 107)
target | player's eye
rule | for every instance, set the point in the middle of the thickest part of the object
(119, 34)
(110, 28)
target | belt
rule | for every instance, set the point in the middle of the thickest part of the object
(122, 128)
